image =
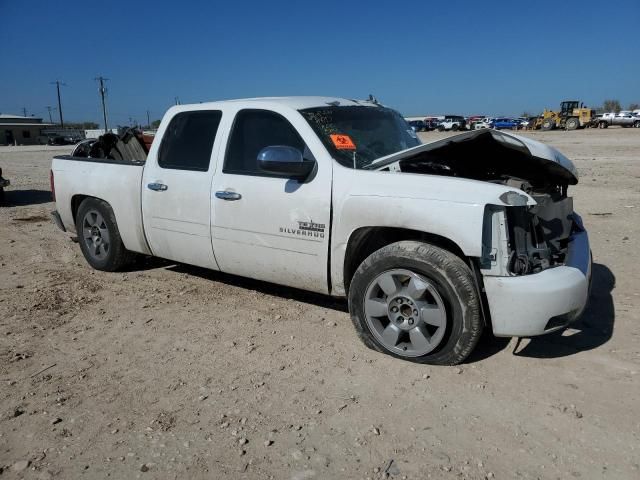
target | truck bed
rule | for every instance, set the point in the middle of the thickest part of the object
(118, 182)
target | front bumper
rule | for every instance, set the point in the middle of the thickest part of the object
(544, 302)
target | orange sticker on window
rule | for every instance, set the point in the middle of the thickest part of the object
(343, 142)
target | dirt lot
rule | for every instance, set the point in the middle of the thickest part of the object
(168, 371)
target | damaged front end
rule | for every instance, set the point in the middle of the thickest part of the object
(521, 236)
(535, 260)
(521, 240)
(539, 235)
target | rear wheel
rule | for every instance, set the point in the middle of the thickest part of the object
(572, 123)
(603, 125)
(455, 127)
(99, 237)
(417, 302)
(636, 124)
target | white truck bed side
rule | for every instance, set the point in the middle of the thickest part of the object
(117, 183)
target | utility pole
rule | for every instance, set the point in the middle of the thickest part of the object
(148, 121)
(24, 110)
(50, 109)
(57, 83)
(103, 91)
(177, 101)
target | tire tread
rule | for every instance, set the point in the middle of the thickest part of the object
(451, 267)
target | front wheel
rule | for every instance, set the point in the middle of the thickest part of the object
(417, 302)
(572, 123)
(637, 124)
(99, 237)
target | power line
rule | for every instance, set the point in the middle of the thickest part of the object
(57, 83)
(103, 91)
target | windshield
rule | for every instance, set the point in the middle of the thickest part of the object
(356, 136)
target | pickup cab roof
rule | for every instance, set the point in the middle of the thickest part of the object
(296, 103)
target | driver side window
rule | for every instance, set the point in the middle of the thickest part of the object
(252, 131)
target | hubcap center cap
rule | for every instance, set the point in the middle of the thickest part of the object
(403, 312)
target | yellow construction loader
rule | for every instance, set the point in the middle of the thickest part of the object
(572, 115)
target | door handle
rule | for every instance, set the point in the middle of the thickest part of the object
(157, 187)
(227, 195)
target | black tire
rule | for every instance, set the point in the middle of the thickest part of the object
(636, 124)
(547, 125)
(455, 127)
(111, 255)
(452, 279)
(603, 125)
(572, 123)
(441, 128)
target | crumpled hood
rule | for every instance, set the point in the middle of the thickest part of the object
(545, 159)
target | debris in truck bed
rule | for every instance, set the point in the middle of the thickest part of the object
(130, 145)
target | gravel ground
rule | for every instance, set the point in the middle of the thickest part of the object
(169, 371)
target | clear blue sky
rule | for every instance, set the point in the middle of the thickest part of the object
(496, 58)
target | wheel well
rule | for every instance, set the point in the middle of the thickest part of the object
(76, 200)
(366, 240)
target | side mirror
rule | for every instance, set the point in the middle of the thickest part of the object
(285, 160)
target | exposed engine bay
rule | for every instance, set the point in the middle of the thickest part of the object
(537, 235)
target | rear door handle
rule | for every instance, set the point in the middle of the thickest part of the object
(227, 195)
(157, 187)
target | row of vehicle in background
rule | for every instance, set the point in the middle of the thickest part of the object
(572, 115)
(500, 123)
(457, 122)
(55, 139)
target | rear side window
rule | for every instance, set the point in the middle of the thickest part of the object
(188, 140)
(252, 131)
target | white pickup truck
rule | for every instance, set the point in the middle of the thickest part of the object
(430, 243)
(623, 119)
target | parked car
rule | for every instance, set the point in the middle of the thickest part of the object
(504, 123)
(417, 125)
(452, 122)
(605, 120)
(480, 124)
(430, 125)
(63, 140)
(430, 243)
